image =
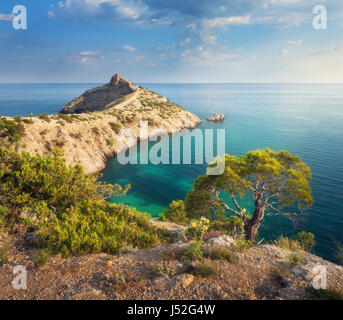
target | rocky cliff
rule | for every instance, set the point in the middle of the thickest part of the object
(102, 97)
(90, 135)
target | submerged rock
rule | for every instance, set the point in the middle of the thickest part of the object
(218, 117)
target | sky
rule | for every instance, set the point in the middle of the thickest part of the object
(172, 41)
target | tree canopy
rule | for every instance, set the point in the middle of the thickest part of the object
(278, 182)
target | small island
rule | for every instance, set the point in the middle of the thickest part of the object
(218, 117)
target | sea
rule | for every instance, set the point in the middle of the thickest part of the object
(305, 119)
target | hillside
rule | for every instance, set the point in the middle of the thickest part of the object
(90, 136)
(161, 272)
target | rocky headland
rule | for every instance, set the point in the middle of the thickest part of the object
(87, 128)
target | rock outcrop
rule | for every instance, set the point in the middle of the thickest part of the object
(261, 273)
(218, 117)
(102, 97)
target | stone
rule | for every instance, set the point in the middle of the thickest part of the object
(218, 117)
(222, 241)
(286, 282)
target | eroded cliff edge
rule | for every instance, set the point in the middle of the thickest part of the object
(87, 128)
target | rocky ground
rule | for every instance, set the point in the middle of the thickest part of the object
(260, 272)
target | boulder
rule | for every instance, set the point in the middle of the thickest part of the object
(218, 117)
(222, 241)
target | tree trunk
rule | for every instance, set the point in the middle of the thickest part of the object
(251, 226)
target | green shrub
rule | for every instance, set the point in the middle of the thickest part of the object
(222, 253)
(28, 121)
(116, 127)
(198, 229)
(195, 251)
(65, 117)
(41, 257)
(98, 226)
(302, 241)
(295, 258)
(44, 117)
(109, 142)
(173, 254)
(287, 243)
(175, 213)
(243, 244)
(306, 240)
(12, 130)
(233, 226)
(205, 269)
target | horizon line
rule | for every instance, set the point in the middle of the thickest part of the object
(214, 83)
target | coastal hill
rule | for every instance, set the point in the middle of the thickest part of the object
(87, 128)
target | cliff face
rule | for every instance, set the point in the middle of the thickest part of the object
(91, 137)
(101, 97)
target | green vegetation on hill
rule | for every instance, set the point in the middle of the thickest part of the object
(11, 130)
(67, 209)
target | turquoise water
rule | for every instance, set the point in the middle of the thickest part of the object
(304, 119)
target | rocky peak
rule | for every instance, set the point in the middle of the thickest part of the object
(116, 79)
(101, 97)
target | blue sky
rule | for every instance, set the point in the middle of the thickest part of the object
(172, 41)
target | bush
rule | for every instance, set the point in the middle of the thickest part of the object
(233, 226)
(306, 240)
(95, 227)
(175, 213)
(73, 215)
(286, 243)
(243, 244)
(41, 257)
(116, 127)
(205, 269)
(12, 130)
(302, 241)
(294, 259)
(198, 229)
(195, 251)
(222, 253)
(109, 142)
(44, 117)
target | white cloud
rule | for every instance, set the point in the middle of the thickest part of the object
(222, 22)
(89, 53)
(129, 48)
(294, 42)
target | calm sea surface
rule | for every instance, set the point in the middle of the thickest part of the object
(307, 120)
